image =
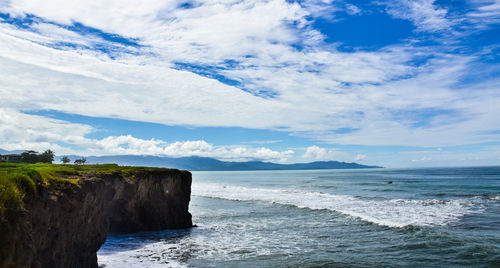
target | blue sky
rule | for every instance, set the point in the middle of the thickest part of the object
(391, 83)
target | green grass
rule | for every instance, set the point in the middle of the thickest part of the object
(19, 180)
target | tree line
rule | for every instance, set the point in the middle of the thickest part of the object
(81, 161)
(31, 157)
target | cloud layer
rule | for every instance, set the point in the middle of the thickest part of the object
(20, 131)
(251, 64)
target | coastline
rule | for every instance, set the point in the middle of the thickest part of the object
(64, 220)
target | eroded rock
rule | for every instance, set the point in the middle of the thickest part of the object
(65, 226)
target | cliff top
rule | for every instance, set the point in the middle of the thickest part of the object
(19, 180)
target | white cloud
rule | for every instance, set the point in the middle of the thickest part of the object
(424, 14)
(315, 153)
(86, 85)
(19, 131)
(360, 157)
(486, 8)
(321, 8)
(486, 12)
(131, 145)
(352, 9)
(317, 90)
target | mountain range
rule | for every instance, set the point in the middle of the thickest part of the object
(196, 163)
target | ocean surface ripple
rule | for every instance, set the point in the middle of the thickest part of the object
(332, 218)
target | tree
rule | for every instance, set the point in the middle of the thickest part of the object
(80, 161)
(65, 159)
(47, 156)
(29, 156)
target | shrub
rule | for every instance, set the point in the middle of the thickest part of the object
(10, 195)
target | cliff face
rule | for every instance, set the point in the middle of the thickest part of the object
(65, 224)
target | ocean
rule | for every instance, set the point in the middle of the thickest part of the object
(432, 217)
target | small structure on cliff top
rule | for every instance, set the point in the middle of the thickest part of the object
(10, 158)
(29, 156)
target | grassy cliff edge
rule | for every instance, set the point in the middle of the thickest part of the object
(19, 180)
(59, 215)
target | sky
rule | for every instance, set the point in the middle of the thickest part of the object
(390, 83)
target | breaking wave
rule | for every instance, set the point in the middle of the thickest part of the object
(390, 212)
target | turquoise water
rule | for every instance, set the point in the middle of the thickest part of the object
(328, 218)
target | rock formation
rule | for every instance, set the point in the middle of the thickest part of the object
(64, 224)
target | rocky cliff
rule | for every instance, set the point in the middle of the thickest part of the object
(63, 223)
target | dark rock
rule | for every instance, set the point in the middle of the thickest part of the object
(65, 226)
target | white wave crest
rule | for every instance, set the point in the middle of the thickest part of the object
(160, 254)
(392, 213)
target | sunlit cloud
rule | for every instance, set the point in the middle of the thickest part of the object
(250, 64)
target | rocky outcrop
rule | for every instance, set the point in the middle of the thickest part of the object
(65, 224)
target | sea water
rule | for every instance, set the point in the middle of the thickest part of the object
(436, 217)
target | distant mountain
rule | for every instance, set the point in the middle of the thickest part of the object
(195, 163)
(2, 151)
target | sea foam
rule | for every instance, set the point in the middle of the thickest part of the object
(389, 212)
(159, 254)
